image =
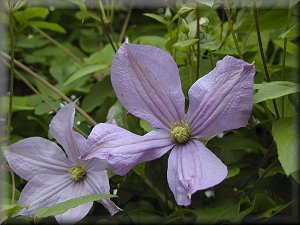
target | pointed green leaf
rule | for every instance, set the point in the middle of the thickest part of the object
(72, 203)
(48, 25)
(273, 90)
(285, 136)
(185, 44)
(156, 17)
(84, 72)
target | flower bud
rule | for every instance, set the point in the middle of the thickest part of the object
(203, 21)
(168, 13)
(184, 11)
(185, 28)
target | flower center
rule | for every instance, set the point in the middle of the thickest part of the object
(77, 172)
(180, 132)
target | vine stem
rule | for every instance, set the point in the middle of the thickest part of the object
(12, 70)
(106, 31)
(284, 50)
(226, 8)
(125, 25)
(198, 43)
(63, 48)
(262, 54)
(51, 87)
(11, 89)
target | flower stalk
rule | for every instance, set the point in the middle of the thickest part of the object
(261, 50)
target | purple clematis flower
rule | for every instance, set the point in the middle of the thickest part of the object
(147, 82)
(51, 176)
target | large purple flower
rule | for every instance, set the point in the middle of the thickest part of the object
(51, 176)
(147, 83)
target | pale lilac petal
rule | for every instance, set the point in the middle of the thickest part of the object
(99, 183)
(42, 190)
(61, 128)
(147, 83)
(74, 190)
(193, 167)
(122, 149)
(35, 155)
(222, 99)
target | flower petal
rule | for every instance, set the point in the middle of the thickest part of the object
(99, 183)
(193, 167)
(42, 190)
(222, 99)
(123, 149)
(35, 155)
(147, 82)
(61, 128)
(74, 190)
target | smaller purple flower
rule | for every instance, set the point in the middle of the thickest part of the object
(52, 177)
(147, 83)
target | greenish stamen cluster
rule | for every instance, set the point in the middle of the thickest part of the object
(180, 132)
(77, 172)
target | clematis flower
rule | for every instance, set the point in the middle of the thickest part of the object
(52, 177)
(147, 83)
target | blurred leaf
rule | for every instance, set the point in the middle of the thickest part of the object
(48, 25)
(31, 13)
(20, 103)
(285, 135)
(152, 40)
(273, 90)
(293, 32)
(226, 211)
(83, 10)
(98, 94)
(10, 210)
(62, 207)
(146, 126)
(233, 171)
(184, 44)
(156, 17)
(84, 72)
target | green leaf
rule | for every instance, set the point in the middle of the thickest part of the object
(48, 25)
(146, 126)
(285, 136)
(82, 6)
(30, 13)
(98, 94)
(11, 210)
(233, 172)
(185, 44)
(273, 90)
(20, 103)
(84, 72)
(156, 17)
(72, 203)
(293, 32)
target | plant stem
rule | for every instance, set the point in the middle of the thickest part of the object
(63, 48)
(262, 54)
(198, 43)
(125, 25)
(101, 14)
(12, 70)
(227, 11)
(284, 50)
(51, 87)
(44, 98)
(13, 184)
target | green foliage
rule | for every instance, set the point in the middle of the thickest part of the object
(76, 60)
(62, 207)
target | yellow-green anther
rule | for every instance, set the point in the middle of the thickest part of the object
(180, 133)
(77, 172)
(185, 28)
(168, 13)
